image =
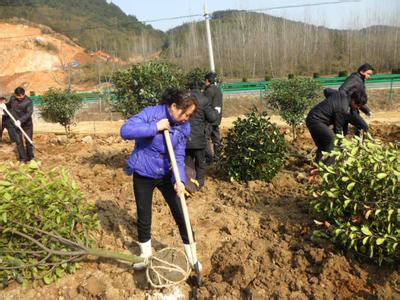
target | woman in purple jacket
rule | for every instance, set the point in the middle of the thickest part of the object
(149, 162)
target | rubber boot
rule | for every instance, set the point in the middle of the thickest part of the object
(145, 252)
(188, 252)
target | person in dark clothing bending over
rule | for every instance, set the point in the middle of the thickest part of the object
(214, 94)
(356, 82)
(334, 110)
(196, 145)
(21, 107)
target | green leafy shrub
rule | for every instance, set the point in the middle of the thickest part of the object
(342, 74)
(359, 198)
(315, 75)
(290, 76)
(52, 202)
(142, 85)
(254, 149)
(60, 107)
(292, 98)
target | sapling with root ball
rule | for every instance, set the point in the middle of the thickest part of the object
(357, 201)
(47, 226)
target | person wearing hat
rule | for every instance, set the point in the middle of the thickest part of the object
(334, 110)
(214, 94)
(197, 142)
(356, 82)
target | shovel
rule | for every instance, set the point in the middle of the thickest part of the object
(20, 128)
(196, 266)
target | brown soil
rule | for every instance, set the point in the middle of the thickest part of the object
(254, 239)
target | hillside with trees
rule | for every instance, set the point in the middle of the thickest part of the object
(246, 44)
(249, 44)
(93, 24)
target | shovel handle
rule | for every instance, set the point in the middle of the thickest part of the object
(183, 204)
(175, 170)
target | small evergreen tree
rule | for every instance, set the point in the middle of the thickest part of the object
(253, 149)
(292, 98)
(142, 85)
(60, 106)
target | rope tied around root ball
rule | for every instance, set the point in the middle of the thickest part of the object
(167, 267)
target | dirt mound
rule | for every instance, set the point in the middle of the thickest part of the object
(38, 58)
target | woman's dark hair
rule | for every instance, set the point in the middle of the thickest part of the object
(19, 91)
(359, 97)
(365, 67)
(3, 98)
(182, 99)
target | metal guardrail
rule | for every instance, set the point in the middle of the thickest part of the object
(325, 81)
(252, 86)
(87, 97)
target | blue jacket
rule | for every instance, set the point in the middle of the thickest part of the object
(150, 156)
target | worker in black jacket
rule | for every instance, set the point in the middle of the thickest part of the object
(5, 122)
(214, 94)
(356, 82)
(334, 110)
(21, 107)
(196, 145)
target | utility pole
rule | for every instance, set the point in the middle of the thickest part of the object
(209, 42)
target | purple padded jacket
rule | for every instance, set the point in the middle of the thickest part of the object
(150, 155)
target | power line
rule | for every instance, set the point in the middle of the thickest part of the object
(171, 18)
(304, 5)
(176, 18)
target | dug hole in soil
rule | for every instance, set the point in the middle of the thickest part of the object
(253, 239)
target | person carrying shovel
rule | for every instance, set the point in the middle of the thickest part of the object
(152, 129)
(21, 108)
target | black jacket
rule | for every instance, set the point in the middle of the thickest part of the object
(205, 113)
(355, 82)
(214, 94)
(21, 110)
(355, 118)
(334, 110)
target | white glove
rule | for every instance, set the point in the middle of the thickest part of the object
(18, 123)
(3, 106)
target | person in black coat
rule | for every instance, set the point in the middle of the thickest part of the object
(356, 82)
(196, 145)
(21, 107)
(5, 122)
(214, 94)
(334, 110)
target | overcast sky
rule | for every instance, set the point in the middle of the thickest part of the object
(349, 14)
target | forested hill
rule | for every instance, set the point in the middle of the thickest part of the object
(251, 44)
(246, 44)
(94, 24)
